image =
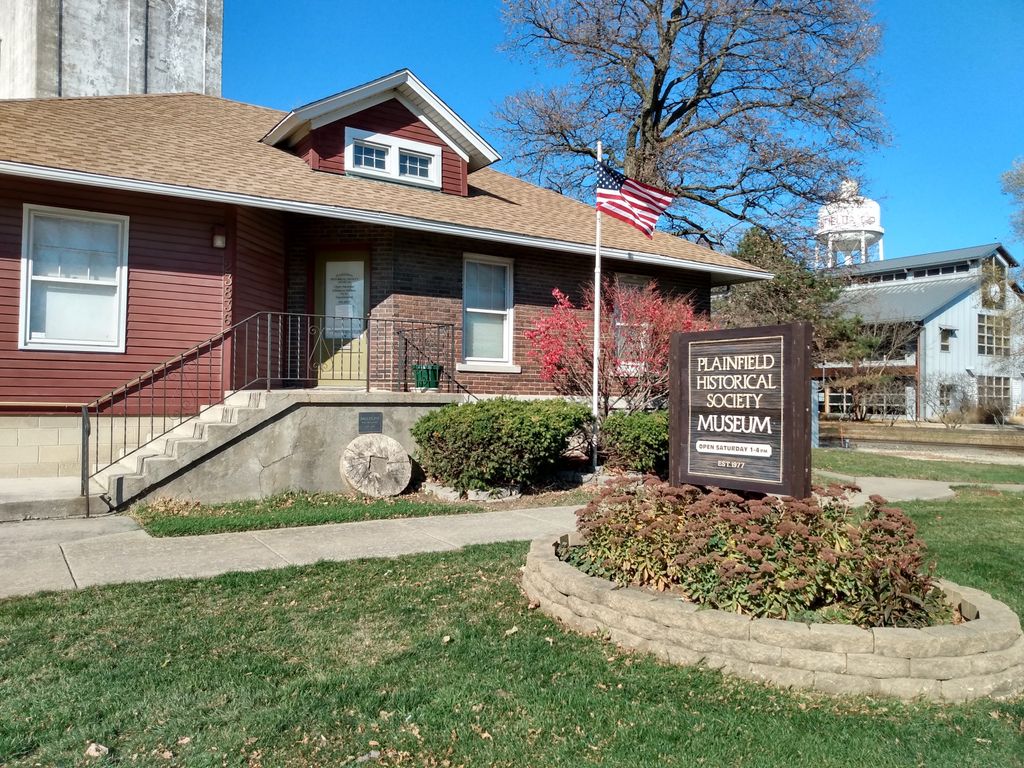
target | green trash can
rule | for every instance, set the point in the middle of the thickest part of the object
(427, 376)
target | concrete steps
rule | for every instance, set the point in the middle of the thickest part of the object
(132, 475)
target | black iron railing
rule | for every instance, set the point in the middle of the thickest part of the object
(265, 351)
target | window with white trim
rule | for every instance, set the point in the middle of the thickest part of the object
(413, 164)
(630, 337)
(382, 156)
(487, 309)
(946, 335)
(74, 274)
(368, 156)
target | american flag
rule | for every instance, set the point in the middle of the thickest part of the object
(631, 201)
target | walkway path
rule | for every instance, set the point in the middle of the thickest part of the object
(72, 554)
(40, 555)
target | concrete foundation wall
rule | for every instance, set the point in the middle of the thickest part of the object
(51, 446)
(40, 446)
(298, 448)
(107, 47)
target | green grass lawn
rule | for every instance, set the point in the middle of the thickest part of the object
(171, 518)
(863, 464)
(176, 518)
(435, 660)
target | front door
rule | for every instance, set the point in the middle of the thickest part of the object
(342, 304)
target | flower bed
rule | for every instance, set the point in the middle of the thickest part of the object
(983, 656)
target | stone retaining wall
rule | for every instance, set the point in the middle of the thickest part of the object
(981, 657)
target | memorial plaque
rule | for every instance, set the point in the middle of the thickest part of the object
(741, 409)
(371, 422)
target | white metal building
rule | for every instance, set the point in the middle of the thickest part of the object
(968, 310)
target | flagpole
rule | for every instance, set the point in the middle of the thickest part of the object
(597, 317)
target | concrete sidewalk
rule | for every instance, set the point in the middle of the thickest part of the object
(41, 555)
(38, 555)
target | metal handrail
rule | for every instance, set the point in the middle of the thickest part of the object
(265, 349)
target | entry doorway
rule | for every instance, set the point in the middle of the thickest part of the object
(341, 300)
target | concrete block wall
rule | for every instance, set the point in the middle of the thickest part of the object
(983, 657)
(39, 446)
(51, 446)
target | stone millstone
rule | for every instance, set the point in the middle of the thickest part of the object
(376, 465)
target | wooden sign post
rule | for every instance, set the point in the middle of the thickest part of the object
(740, 409)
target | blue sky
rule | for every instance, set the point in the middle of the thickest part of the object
(951, 85)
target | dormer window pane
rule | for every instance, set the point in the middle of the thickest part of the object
(413, 165)
(367, 156)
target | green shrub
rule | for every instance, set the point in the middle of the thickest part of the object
(636, 441)
(763, 556)
(496, 443)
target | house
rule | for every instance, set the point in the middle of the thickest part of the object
(964, 349)
(159, 251)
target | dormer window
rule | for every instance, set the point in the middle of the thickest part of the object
(367, 156)
(382, 156)
(417, 166)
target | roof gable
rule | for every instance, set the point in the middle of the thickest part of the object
(390, 124)
(408, 90)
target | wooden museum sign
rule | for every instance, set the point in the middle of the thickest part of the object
(740, 402)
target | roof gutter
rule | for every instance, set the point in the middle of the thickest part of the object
(367, 217)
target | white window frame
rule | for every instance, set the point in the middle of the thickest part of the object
(25, 299)
(490, 364)
(394, 146)
(629, 281)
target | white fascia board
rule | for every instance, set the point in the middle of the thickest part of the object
(366, 217)
(448, 114)
(332, 116)
(422, 116)
(363, 96)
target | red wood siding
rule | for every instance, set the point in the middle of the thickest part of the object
(259, 281)
(175, 291)
(324, 148)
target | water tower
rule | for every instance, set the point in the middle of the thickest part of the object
(849, 229)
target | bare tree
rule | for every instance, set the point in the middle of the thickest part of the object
(950, 398)
(749, 111)
(797, 293)
(871, 366)
(1013, 185)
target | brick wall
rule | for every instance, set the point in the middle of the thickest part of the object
(419, 275)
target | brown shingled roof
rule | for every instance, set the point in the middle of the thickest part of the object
(209, 143)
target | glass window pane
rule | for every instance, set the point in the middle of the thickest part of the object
(413, 165)
(486, 286)
(365, 156)
(72, 248)
(484, 336)
(73, 312)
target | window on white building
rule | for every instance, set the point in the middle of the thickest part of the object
(945, 336)
(994, 393)
(487, 309)
(993, 335)
(74, 275)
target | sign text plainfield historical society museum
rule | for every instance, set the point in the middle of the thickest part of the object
(741, 409)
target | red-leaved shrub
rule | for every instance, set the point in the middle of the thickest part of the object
(760, 555)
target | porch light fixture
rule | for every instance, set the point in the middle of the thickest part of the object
(219, 237)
